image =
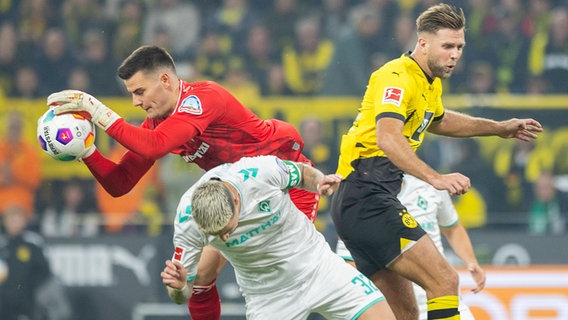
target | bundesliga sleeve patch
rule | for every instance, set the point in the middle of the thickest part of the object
(191, 105)
(393, 95)
(178, 254)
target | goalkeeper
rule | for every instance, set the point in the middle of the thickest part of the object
(202, 122)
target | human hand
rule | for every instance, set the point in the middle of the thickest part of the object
(478, 275)
(84, 104)
(329, 183)
(522, 129)
(455, 183)
(174, 275)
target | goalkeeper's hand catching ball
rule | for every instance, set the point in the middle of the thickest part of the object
(82, 103)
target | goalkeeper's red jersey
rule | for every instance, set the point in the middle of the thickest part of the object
(208, 127)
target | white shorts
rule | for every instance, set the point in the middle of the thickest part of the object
(342, 251)
(335, 290)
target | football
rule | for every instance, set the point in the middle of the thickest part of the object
(65, 137)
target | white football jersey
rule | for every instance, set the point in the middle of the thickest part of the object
(432, 208)
(260, 249)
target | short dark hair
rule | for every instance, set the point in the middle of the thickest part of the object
(440, 16)
(146, 58)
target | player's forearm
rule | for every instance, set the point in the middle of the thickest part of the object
(311, 177)
(459, 125)
(117, 179)
(399, 152)
(152, 144)
(180, 296)
(460, 243)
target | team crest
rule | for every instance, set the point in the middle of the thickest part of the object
(393, 95)
(408, 220)
(191, 105)
(264, 206)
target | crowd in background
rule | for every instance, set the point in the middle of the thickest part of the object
(280, 48)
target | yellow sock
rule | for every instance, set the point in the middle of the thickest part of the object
(443, 308)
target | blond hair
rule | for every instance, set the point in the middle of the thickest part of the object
(440, 16)
(212, 206)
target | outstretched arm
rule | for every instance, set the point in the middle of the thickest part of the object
(456, 124)
(461, 244)
(174, 277)
(315, 181)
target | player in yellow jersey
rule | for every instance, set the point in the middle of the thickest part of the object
(402, 102)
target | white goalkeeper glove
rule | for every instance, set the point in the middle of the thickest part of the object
(88, 152)
(81, 102)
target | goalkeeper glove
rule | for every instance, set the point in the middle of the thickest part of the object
(81, 102)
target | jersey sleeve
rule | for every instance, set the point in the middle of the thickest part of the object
(118, 178)
(392, 95)
(284, 174)
(188, 239)
(447, 214)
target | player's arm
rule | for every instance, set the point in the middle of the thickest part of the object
(174, 276)
(151, 144)
(395, 145)
(461, 244)
(314, 180)
(118, 178)
(456, 124)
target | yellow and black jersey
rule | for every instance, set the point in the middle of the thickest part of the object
(399, 89)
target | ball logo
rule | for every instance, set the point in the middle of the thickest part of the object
(408, 220)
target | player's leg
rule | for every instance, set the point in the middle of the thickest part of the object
(399, 293)
(204, 303)
(423, 264)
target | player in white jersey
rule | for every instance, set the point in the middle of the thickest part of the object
(434, 211)
(283, 265)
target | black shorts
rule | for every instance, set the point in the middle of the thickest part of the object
(374, 225)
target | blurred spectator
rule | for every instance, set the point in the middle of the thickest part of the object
(20, 166)
(26, 84)
(403, 37)
(537, 85)
(537, 17)
(545, 213)
(352, 61)
(79, 79)
(9, 10)
(35, 18)
(8, 56)
(260, 56)
(316, 146)
(482, 21)
(73, 217)
(99, 64)
(127, 35)
(481, 78)
(519, 166)
(510, 53)
(54, 62)
(28, 268)
(232, 21)
(549, 53)
(277, 81)
(180, 20)
(335, 17)
(306, 61)
(280, 20)
(80, 16)
(212, 62)
(387, 10)
(139, 207)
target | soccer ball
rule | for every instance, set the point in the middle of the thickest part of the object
(65, 137)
